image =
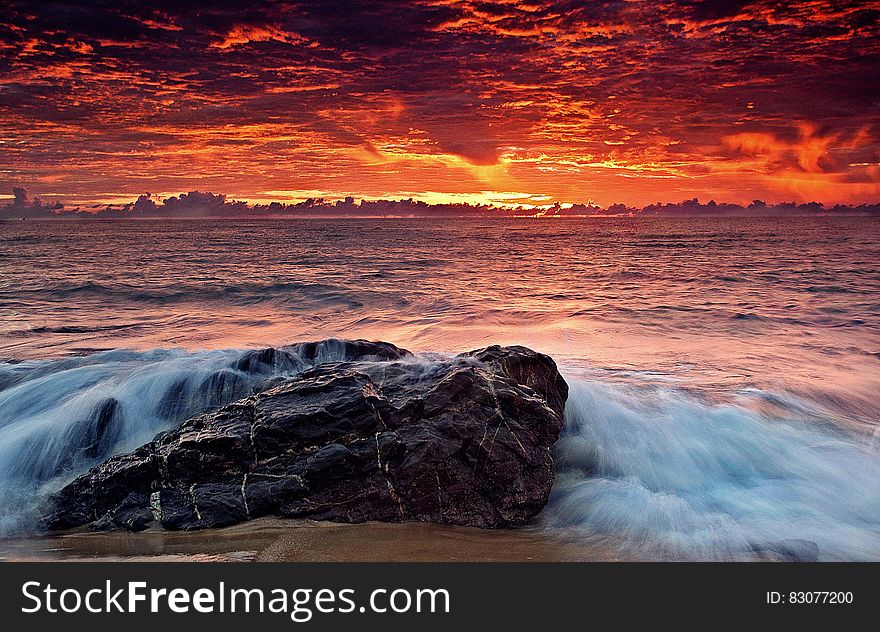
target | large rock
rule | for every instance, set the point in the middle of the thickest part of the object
(462, 441)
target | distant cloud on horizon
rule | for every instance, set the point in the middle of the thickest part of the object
(200, 204)
(23, 206)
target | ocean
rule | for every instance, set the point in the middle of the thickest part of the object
(724, 372)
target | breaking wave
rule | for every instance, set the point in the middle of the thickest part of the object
(668, 475)
(676, 478)
(58, 418)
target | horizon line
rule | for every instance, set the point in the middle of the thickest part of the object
(204, 204)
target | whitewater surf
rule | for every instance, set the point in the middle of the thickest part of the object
(666, 473)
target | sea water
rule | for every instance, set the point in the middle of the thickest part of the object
(724, 372)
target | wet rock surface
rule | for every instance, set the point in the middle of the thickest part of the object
(387, 436)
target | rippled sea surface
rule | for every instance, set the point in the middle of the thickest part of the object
(725, 372)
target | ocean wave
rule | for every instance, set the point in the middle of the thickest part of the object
(243, 293)
(58, 418)
(668, 475)
(677, 478)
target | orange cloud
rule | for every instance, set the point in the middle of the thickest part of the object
(243, 34)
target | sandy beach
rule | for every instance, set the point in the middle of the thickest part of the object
(274, 540)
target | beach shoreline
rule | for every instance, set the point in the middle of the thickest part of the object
(279, 540)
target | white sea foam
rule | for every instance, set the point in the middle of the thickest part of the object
(671, 476)
(678, 478)
(60, 417)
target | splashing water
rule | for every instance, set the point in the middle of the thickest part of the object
(678, 478)
(58, 418)
(667, 474)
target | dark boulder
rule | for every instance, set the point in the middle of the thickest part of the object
(465, 440)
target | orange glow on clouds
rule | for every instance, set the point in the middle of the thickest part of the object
(521, 102)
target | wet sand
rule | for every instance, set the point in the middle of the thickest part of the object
(273, 540)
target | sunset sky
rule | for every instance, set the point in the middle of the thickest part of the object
(512, 101)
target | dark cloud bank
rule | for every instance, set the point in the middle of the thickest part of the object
(196, 204)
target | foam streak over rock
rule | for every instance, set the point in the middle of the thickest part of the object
(58, 418)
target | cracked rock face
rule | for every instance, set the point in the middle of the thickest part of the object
(462, 441)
